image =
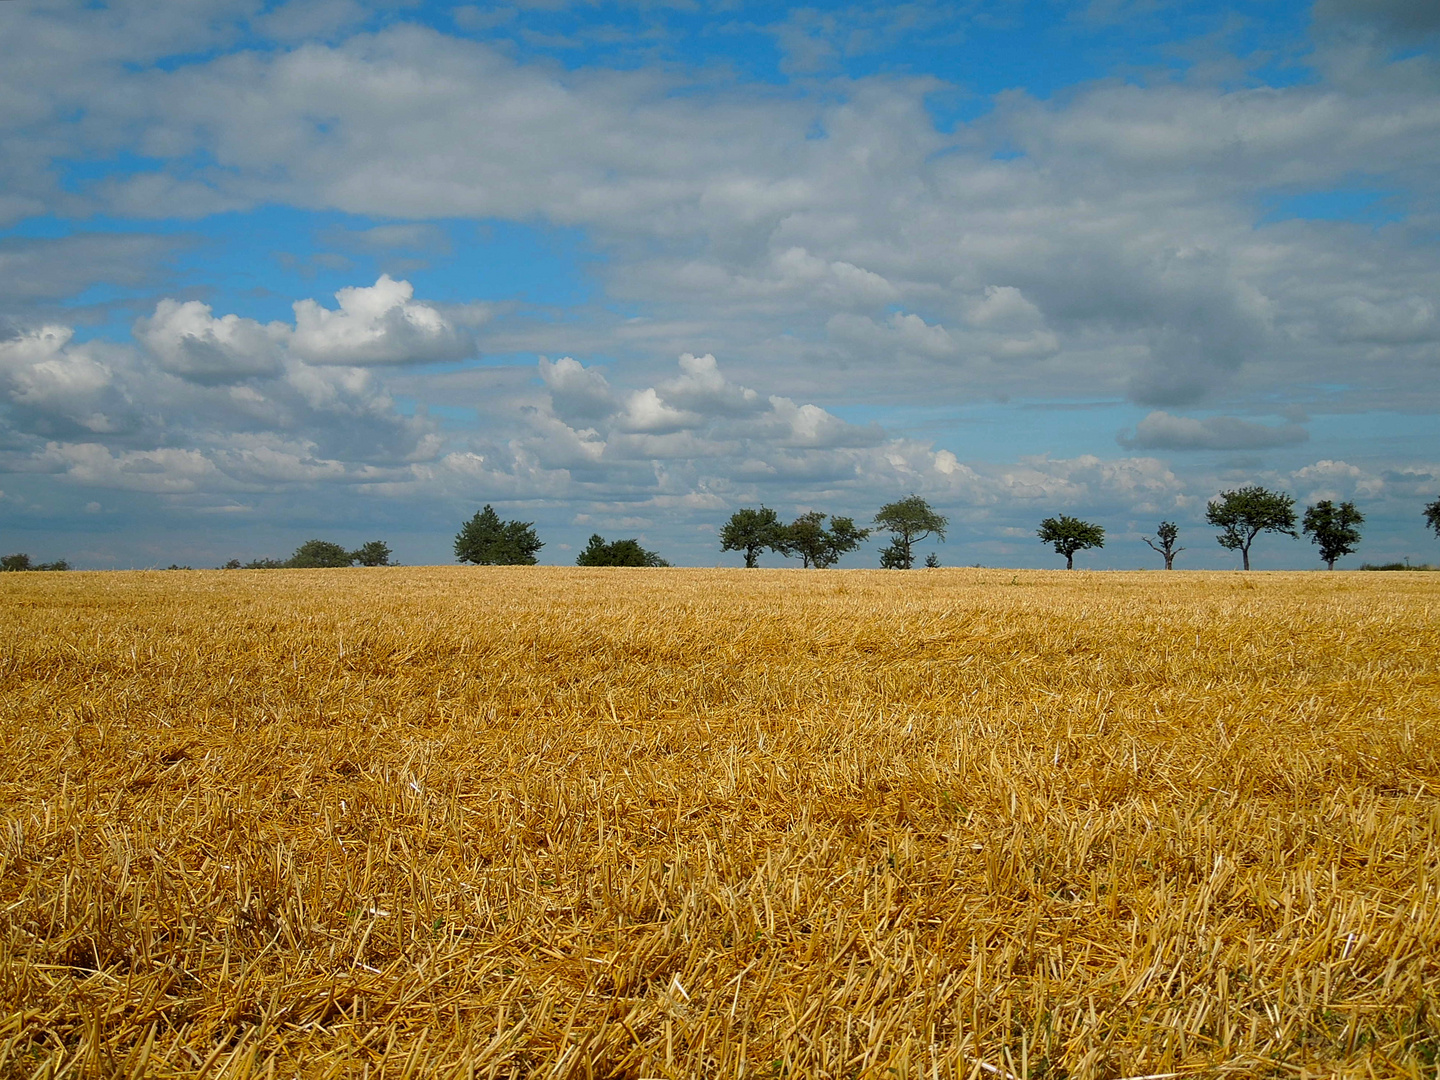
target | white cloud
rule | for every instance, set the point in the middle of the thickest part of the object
(648, 413)
(191, 343)
(577, 392)
(160, 471)
(380, 324)
(1163, 431)
(62, 387)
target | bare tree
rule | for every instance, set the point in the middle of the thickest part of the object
(1166, 534)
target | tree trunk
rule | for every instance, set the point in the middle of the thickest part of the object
(1169, 562)
(1329, 564)
(1069, 562)
(1245, 556)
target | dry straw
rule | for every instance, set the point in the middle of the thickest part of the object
(670, 823)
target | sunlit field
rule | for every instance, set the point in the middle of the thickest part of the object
(683, 823)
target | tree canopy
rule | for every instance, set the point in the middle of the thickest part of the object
(818, 546)
(1334, 528)
(1432, 516)
(21, 561)
(375, 553)
(909, 521)
(753, 531)
(487, 541)
(316, 554)
(1243, 514)
(617, 553)
(1069, 535)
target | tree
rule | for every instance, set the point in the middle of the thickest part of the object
(752, 531)
(315, 554)
(932, 561)
(1245, 513)
(818, 546)
(1432, 516)
(617, 553)
(21, 561)
(1070, 535)
(375, 553)
(910, 520)
(487, 541)
(1166, 534)
(1334, 528)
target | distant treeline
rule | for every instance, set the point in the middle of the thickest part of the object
(318, 555)
(21, 561)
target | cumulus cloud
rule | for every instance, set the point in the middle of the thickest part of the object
(381, 324)
(189, 342)
(577, 392)
(1164, 431)
(60, 388)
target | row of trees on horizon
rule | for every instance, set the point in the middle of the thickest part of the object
(1240, 516)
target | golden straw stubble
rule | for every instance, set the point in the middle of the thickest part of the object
(633, 823)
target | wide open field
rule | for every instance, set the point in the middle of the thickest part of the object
(514, 822)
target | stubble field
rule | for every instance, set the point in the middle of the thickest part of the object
(645, 823)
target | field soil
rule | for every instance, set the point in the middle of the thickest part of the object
(504, 822)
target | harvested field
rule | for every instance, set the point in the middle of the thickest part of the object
(665, 823)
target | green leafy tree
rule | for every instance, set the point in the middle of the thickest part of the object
(1334, 528)
(487, 541)
(1070, 535)
(818, 546)
(265, 564)
(1167, 534)
(1245, 513)
(909, 521)
(932, 561)
(375, 553)
(233, 564)
(753, 531)
(617, 553)
(319, 554)
(1432, 516)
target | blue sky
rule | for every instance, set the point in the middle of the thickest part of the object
(351, 269)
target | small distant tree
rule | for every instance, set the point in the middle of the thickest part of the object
(1245, 513)
(375, 553)
(487, 541)
(1070, 535)
(1334, 528)
(21, 561)
(1432, 516)
(909, 520)
(818, 546)
(753, 531)
(1167, 534)
(319, 554)
(265, 564)
(932, 561)
(233, 564)
(617, 553)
